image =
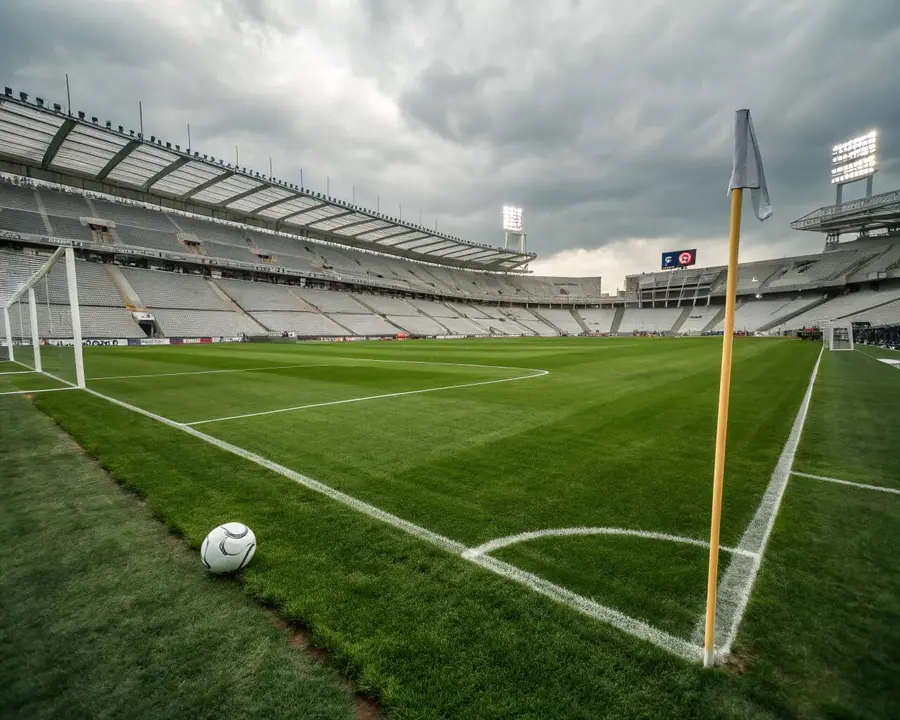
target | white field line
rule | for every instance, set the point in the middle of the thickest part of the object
(498, 543)
(359, 505)
(577, 602)
(862, 486)
(29, 392)
(17, 372)
(535, 373)
(737, 584)
(204, 372)
(885, 361)
(586, 606)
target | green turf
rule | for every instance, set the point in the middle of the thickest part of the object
(105, 614)
(822, 632)
(619, 433)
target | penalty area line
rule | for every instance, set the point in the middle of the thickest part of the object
(535, 373)
(205, 372)
(585, 606)
(862, 486)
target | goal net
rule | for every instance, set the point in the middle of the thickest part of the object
(837, 336)
(41, 324)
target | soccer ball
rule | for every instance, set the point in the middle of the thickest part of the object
(228, 547)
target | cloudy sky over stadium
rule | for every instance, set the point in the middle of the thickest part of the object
(609, 122)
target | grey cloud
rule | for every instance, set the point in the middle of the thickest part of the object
(604, 120)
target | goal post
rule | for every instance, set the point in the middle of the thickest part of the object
(837, 335)
(42, 324)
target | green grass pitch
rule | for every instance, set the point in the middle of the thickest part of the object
(471, 442)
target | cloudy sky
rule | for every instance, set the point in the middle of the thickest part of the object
(608, 121)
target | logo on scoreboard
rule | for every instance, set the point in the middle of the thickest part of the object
(679, 259)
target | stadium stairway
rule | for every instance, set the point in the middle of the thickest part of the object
(682, 319)
(129, 295)
(716, 319)
(617, 321)
(781, 319)
(580, 320)
(43, 211)
(544, 320)
(234, 304)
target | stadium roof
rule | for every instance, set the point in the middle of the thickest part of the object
(52, 140)
(869, 213)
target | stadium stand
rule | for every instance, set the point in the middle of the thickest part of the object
(698, 319)
(365, 324)
(158, 289)
(649, 320)
(843, 306)
(598, 321)
(303, 324)
(561, 320)
(252, 296)
(202, 323)
(882, 316)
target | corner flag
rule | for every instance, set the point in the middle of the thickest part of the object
(747, 173)
(748, 167)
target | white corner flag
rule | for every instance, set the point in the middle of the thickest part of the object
(748, 167)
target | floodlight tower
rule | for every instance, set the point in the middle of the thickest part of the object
(512, 226)
(852, 161)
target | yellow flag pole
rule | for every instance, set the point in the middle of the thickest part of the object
(734, 238)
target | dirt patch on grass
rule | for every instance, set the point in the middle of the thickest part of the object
(367, 708)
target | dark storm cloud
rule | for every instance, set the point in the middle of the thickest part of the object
(606, 121)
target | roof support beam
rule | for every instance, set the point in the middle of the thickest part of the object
(117, 158)
(463, 253)
(241, 195)
(402, 231)
(416, 243)
(432, 245)
(353, 224)
(171, 167)
(329, 218)
(202, 186)
(300, 212)
(61, 134)
(397, 239)
(457, 248)
(482, 255)
(272, 204)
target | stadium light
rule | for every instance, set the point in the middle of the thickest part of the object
(854, 159)
(512, 219)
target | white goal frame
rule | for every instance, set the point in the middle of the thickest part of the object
(63, 254)
(837, 336)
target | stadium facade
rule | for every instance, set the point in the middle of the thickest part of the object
(173, 243)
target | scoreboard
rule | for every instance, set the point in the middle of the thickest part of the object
(679, 259)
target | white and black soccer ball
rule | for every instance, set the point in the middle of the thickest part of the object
(228, 548)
